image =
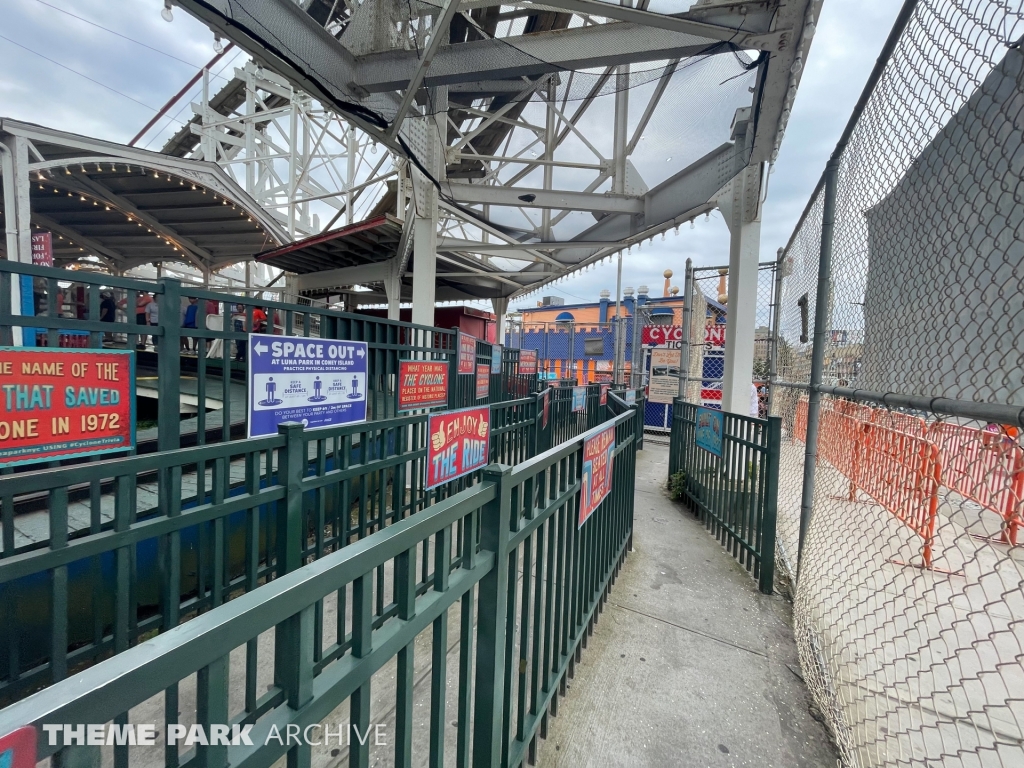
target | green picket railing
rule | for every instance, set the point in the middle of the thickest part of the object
(735, 495)
(210, 376)
(126, 558)
(504, 556)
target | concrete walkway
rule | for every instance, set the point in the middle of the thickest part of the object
(689, 665)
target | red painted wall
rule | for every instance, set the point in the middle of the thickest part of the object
(475, 322)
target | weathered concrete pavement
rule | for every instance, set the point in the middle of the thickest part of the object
(689, 664)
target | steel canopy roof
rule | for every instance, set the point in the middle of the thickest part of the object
(127, 207)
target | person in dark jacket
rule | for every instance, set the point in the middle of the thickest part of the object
(191, 315)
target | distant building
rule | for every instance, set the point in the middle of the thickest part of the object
(577, 341)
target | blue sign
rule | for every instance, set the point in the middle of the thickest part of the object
(318, 382)
(710, 426)
(579, 398)
(496, 358)
(630, 398)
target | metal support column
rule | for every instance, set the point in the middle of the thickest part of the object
(393, 290)
(500, 307)
(635, 361)
(617, 357)
(18, 223)
(742, 216)
(821, 339)
(424, 276)
(549, 156)
(684, 347)
(773, 365)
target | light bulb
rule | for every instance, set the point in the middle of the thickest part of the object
(218, 46)
(692, 225)
(663, 237)
(166, 13)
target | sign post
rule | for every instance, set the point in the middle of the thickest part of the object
(596, 484)
(319, 382)
(458, 443)
(55, 404)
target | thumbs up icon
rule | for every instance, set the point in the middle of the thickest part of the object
(437, 439)
(482, 429)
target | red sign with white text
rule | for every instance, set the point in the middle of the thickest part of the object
(597, 472)
(422, 384)
(671, 336)
(483, 380)
(42, 249)
(60, 403)
(458, 443)
(528, 362)
(604, 393)
(714, 335)
(660, 335)
(18, 748)
(467, 353)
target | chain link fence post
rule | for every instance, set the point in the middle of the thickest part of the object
(822, 309)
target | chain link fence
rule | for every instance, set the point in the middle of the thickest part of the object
(900, 384)
(710, 291)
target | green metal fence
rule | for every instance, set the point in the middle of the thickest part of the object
(735, 495)
(504, 557)
(212, 372)
(138, 544)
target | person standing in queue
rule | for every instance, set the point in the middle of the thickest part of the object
(188, 321)
(141, 301)
(153, 315)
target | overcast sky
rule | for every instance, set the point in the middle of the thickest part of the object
(41, 43)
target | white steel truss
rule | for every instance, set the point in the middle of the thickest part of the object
(479, 116)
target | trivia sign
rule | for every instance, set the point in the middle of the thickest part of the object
(483, 380)
(422, 384)
(319, 382)
(458, 443)
(467, 353)
(528, 362)
(55, 404)
(598, 452)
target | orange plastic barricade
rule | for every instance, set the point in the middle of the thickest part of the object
(902, 473)
(899, 471)
(851, 408)
(837, 443)
(800, 421)
(986, 467)
(901, 422)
